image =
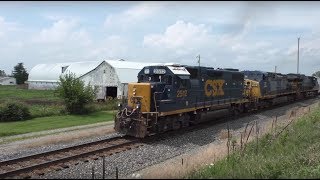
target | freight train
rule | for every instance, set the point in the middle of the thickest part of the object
(169, 97)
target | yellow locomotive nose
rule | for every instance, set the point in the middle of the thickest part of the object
(252, 89)
(139, 95)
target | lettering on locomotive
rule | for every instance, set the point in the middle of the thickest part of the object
(182, 93)
(214, 87)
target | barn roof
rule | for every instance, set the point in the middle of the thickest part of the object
(46, 72)
(81, 68)
(126, 70)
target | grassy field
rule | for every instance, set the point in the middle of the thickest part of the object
(15, 93)
(52, 122)
(43, 103)
(293, 154)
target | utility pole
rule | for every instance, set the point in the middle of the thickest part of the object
(275, 69)
(198, 59)
(298, 56)
(198, 66)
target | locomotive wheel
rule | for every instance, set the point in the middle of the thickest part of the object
(161, 125)
(195, 118)
(185, 120)
(176, 124)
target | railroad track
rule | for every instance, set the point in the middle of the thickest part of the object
(63, 158)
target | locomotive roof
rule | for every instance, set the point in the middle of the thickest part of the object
(211, 68)
(255, 71)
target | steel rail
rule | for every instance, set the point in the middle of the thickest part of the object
(68, 157)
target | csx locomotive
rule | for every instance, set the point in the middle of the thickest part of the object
(169, 97)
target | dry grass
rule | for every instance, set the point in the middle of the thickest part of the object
(223, 134)
(175, 168)
(67, 137)
(209, 154)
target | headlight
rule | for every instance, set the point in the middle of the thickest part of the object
(119, 104)
(138, 106)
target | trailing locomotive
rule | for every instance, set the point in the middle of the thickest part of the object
(273, 88)
(169, 97)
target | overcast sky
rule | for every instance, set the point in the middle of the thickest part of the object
(243, 35)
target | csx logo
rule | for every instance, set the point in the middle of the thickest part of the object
(214, 88)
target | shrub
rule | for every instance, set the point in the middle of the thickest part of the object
(14, 111)
(75, 94)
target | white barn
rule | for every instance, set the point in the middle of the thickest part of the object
(110, 77)
(8, 81)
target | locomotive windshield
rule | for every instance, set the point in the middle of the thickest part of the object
(166, 79)
(163, 74)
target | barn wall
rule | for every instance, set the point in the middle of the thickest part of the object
(8, 81)
(101, 77)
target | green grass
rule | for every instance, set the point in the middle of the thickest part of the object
(13, 92)
(52, 122)
(37, 110)
(294, 154)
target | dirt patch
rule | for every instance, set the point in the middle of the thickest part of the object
(60, 137)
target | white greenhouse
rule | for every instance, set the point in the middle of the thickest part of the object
(7, 81)
(110, 77)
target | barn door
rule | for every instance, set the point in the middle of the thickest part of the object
(111, 92)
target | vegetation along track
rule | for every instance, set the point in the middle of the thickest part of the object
(62, 158)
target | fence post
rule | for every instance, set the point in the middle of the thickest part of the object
(249, 134)
(103, 167)
(182, 161)
(92, 172)
(241, 141)
(275, 125)
(257, 133)
(117, 173)
(272, 126)
(228, 142)
(245, 130)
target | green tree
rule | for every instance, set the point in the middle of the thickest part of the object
(75, 94)
(2, 73)
(20, 73)
(317, 74)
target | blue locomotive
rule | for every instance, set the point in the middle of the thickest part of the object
(169, 97)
